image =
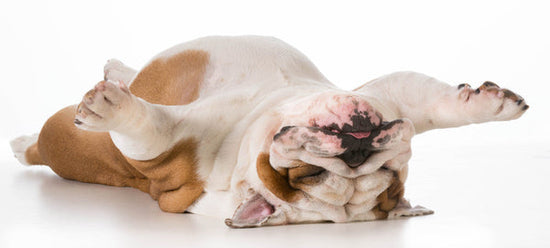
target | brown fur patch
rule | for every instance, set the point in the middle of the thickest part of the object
(174, 80)
(84, 156)
(388, 199)
(275, 182)
(511, 95)
(174, 181)
(32, 155)
(92, 157)
(306, 174)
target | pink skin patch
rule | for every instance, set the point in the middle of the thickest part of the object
(340, 110)
(359, 135)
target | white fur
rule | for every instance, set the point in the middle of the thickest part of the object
(250, 90)
(115, 70)
(20, 145)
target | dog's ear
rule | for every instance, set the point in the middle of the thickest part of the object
(251, 213)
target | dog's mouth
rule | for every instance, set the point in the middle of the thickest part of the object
(360, 126)
(358, 137)
(358, 133)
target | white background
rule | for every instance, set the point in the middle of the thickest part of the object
(487, 183)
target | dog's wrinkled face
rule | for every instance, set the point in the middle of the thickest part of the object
(334, 159)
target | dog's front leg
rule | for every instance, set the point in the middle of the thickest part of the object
(139, 129)
(431, 104)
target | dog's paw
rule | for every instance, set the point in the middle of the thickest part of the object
(404, 209)
(489, 102)
(115, 70)
(104, 107)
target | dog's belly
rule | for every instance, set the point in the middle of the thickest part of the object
(242, 75)
(249, 64)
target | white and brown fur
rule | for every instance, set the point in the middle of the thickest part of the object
(248, 127)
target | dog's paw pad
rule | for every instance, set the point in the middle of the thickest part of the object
(103, 107)
(489, 102)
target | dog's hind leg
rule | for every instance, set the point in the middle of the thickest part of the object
(431, 104)
(150, 138)
(140, 130)
(77, 154)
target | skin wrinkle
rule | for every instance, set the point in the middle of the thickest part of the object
(381, 134)
(275, 182)
(381, 155)
(306, 174)
(285, 186)
(357, 150)
(389, 199)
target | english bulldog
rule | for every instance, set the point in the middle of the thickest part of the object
(248, 128)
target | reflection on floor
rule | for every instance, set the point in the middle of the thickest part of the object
(484, 195)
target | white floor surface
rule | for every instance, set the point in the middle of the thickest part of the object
(484, 195)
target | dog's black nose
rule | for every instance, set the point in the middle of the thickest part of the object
(357, 151)
(354, 158)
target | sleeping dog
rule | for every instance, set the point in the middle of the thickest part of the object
(248, 128)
